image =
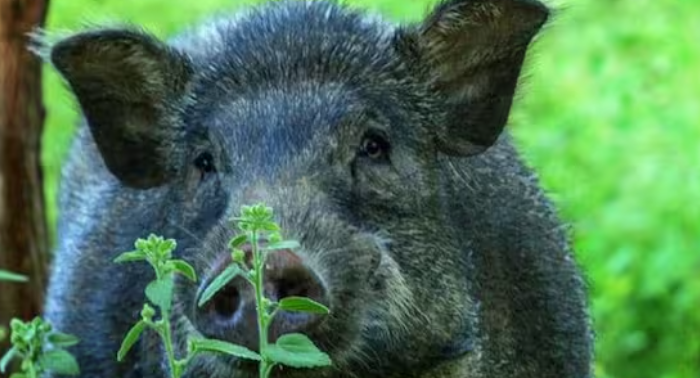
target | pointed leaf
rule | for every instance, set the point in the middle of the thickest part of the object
(284, 244)
(219, 346)
(302, 304)
(269, 226)
(160, 292)
(60, 362)
(130, 256)
(219, 282)
(18, 375)
(297, 350)
(297, 343)
(13, 277)
(130, 339)
(62, 339)
(182, 267)
(7, 358)
(168, 245)
(238, 241)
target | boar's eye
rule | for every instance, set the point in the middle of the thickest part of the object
(374, 146)
(205, 163)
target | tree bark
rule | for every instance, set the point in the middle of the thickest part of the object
(23, 230)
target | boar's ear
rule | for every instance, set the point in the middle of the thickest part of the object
(472, 52)
(130, 87)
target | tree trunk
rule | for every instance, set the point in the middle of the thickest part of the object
(23, 231)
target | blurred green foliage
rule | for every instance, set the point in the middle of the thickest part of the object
(608, 116)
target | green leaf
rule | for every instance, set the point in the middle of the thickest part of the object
(130, 257)
(244, 226)
(185, 269)
(274, 237)
(269, 226)
(238, 256)
(59, 361)
(18, 375)
(301, 304)
(12, 277)
(297, 350)
(7, 358)
(147, 313)
(145, 245)
(62, 339)
(220, 281)
(166, 247)
(130, 339)
(284, 244)
(160, 292)
(219, 346)
(238, 241)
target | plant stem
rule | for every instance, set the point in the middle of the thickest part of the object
(166, 334)
(32, 370)
(167, 339)
(34, 356)
(268, 370)
(258, 264)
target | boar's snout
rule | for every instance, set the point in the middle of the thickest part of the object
(231, 314)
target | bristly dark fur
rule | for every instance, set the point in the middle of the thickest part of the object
(442, 256)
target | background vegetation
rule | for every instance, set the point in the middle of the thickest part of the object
(610, 120)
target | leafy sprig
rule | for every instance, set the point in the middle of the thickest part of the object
(295, 350)
(40, 350)
(157, 251)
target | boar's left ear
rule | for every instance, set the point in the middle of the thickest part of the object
(472, 52)
(131, 87)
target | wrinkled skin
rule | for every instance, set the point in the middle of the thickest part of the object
(381, 149)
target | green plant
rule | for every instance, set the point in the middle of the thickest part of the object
(294, 350)
(12, 277)
(157, 252)
(40, 350)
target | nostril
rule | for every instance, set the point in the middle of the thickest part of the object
(295, 280)
(231, 313)
(291, 289)
(225, 303)
(294, 283)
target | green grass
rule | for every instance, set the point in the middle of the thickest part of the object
(608, 117)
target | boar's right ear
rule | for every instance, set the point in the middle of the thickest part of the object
(471, 52)
(130, 87)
